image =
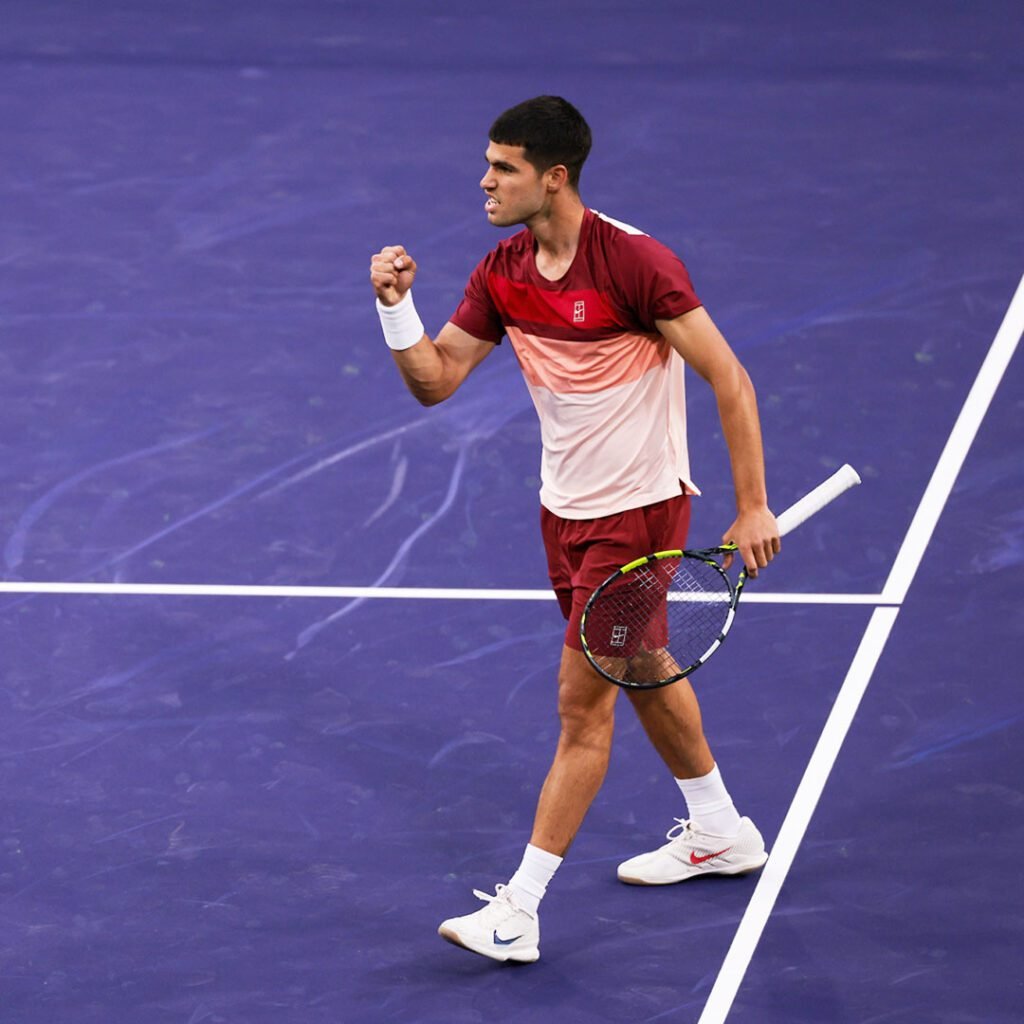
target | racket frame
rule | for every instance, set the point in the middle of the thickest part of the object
(707, 555)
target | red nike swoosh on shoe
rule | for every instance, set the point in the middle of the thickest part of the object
(694, 859)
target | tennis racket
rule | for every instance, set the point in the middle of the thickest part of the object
(659, 618)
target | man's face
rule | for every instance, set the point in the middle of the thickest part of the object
(516, 190)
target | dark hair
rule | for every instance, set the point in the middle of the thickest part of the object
(550, 130)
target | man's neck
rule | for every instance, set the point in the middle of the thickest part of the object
(558, 237)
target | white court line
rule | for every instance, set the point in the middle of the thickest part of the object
(279, 591)
(396, 593)
(911, 552)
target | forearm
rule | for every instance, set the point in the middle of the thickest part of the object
(426, 371)
(420, 362)
(741, 426)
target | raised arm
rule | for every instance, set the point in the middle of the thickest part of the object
(696, 338)
(432, 369)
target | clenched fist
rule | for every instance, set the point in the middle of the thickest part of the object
(391, 273)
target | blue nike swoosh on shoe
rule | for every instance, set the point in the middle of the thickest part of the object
(504, 942)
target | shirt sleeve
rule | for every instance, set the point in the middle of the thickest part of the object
(476, 314)
(660, 283)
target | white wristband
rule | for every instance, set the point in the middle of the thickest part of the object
(401, 323)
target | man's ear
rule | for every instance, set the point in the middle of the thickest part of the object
(557, 177)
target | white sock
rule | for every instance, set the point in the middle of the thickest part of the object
(528, 885)
(709, 804)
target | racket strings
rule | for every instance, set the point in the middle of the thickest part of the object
(663, 617)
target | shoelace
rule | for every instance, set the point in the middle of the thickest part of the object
(498, 897)
(501, 897)
(679, 829)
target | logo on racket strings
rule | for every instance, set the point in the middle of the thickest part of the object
(619, 636)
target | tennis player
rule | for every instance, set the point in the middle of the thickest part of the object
(602, 319)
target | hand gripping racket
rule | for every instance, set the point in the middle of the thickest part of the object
(659, 618)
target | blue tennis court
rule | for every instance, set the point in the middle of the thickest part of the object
(278, 682)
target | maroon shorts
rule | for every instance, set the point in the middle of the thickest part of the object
(583, 553)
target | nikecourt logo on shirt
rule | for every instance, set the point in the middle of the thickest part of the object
(579, 312)
(694, 859)
(504, 942)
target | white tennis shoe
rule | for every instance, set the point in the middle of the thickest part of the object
(501, 930)
(690, 851)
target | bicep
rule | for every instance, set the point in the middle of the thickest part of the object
(461, 351)
(461, 348)
(701, 344)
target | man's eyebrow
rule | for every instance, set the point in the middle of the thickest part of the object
(501, 165)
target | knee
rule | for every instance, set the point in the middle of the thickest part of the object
(585, 728)
(586, 721)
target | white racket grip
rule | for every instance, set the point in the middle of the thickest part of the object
(842, 480)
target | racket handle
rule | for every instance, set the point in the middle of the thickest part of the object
(842, 480)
